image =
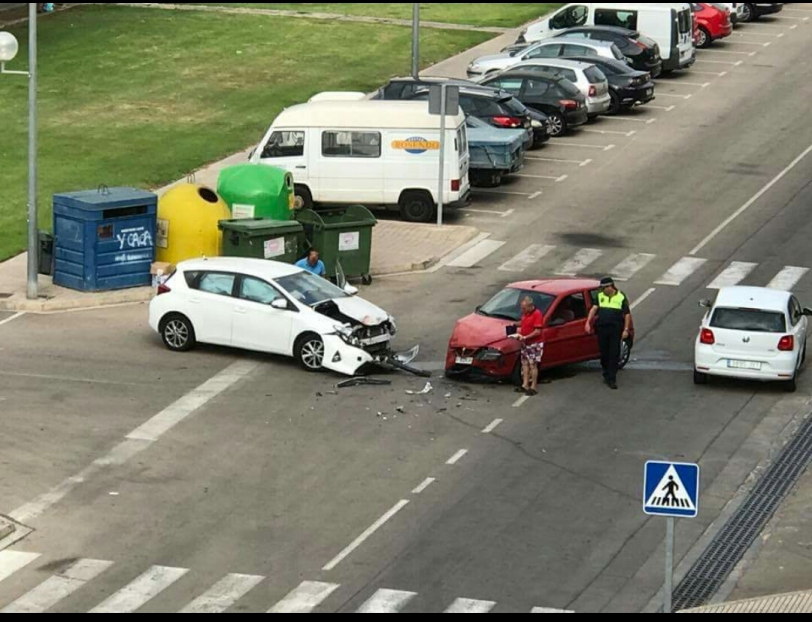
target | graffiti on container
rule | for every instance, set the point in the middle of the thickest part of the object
(132, 257)
(134, 238)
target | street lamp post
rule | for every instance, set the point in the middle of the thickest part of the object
(8, 51)
(415, 41)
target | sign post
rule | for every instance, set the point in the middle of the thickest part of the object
(670, 489)
(444, 100)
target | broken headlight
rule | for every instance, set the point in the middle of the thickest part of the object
(489, 354)
(347, 334)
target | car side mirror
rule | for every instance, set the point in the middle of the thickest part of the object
(251, 155)
(807, 311)
(281, 304)
(350, 290)
(557, 322)
(478, 308)
(705, 303)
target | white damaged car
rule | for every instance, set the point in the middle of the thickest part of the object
(273, 307)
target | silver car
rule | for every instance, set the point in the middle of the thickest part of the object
(548, 48)
(589, 79)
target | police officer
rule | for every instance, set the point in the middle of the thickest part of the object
(612, 327)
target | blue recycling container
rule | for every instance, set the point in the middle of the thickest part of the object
(104, 239)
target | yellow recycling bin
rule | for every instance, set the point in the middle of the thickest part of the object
(187, 223)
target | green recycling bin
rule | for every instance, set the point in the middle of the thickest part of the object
(341, 235)
(257, 191)
(262, 238)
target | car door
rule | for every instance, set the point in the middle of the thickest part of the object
(566, 340)
(257, 324)
(534, 94)
(799, 323)
(211, 307)
(593, 350)
(574, 49)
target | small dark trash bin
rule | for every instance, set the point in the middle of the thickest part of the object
(46, 253)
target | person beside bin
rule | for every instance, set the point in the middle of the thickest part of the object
(312, 263)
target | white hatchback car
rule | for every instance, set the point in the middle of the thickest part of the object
(589, 79)
(267, 306)
(753, 333)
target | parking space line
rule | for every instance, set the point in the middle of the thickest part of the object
(559, 160)
(518, 403)
(763, 26)
(642, 298)
(550, 177)
(802, 19)
(760, 44)
(425, 484)
(366, 535)
(737, 63)
(487, 211)
(632, 119)
(681, 83)
(675, 96)
(616, 132)
(666, 108)
(584, 146)
(508, 213)
(474, 255)
(492, 426)
(535, 195)
(456, 457)
(758, 34)
(12, 318)
(494, 191)
(730, 52)
(718, 74)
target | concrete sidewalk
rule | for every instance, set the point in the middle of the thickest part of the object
(798, 602)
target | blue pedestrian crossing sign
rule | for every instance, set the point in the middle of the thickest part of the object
(671, 489)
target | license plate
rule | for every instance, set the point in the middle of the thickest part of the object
(744, 365)
(465, 360)
(649, 92)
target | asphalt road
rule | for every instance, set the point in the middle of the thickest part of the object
(268, 479)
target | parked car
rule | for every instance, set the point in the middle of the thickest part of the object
(549, 48)
(753, 333)
(585, 75)
(273, 307)
(480, 348)
(627, 87)
(736, 11)
(494, 152)
(407, 88)
(713, 23)
(754, 11)
(667, 24)
(557, 97)
(642, 52)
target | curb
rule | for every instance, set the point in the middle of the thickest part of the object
(19, 303)
(6, 529)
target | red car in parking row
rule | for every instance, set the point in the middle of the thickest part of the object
(479, 346)
(711, 23)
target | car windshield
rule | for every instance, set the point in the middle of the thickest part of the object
(310, 289)
(506, 304)
(751, 320)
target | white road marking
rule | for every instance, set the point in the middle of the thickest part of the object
(457, 457)
(734, 274)
(58, 587)
(642, 298)
(680, 271)
(467, 605)
(474, 255)
(615, 132)
(666, 108)
(718, 74)
(755, 198)
(737, 63)
(581, 259)
(788, 278)
(759, 34)
(304, 598)
(142, 437)
(535, 195)
(508, 213)
(759, 44)
(518, 403)
(12, 318)
(141, 591)
(492, 426)
(527, 258)
(803, 19)
(386, 601)
(12, 561)
(729, 52)
(536, 176)
(548, 610)
(423, 486)
(630, 266)
(223, 594)
(683, 83)
(365, 536)
(494, 191)
(487, 211)
(583, 146)
(674, 96)
(561, 178)
(631, 120)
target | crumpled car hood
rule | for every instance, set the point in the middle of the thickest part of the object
(359, 310)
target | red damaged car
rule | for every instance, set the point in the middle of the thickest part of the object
(712, 23)
(480, 347)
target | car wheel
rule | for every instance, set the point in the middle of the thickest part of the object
(700, 378)
(558, 124)
(748, 14)
(309, 352)
(614, 107)
(417, 206)
(704, 40)
(302, 199)
(625, 353)
(177, 333)
(790, 386)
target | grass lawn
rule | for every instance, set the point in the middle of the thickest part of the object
(507, 14)
(140, 97)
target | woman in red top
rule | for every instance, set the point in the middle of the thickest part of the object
(532, 347)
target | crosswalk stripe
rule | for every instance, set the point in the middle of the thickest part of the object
(60, 586)
(304, 598)
(630, 266)
(467, 605)
(12, 561)
(680, 271)
(387, 601)
(526, 258)
(547, 610)
(579, 261)
(788, 278)
(141, 590)
(474, 255)
(734, 274)
(223, 594)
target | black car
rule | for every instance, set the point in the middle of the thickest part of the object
(495, 107)
(643, 53)
(756, 10)
(628, 87)
(557, 97)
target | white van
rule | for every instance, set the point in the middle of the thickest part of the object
(376, 153)
(338, 96)
(670, 25)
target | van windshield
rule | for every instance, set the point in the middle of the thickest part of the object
(750, 320)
